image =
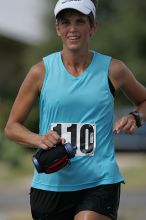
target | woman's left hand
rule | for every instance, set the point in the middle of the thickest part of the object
(126, 124)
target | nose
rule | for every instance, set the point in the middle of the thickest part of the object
(73, 28)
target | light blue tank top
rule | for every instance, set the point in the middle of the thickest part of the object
(82, 108)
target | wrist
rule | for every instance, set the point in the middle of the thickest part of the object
(138, 117)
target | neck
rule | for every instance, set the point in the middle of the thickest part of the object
(76, 62)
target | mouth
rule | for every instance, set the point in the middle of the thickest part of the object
(73, 38)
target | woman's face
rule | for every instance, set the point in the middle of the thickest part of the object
(75, 31)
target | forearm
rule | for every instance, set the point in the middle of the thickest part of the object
(129, 123)
(21, 135)
(142, 109)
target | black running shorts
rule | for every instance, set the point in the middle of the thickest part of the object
(48, 205)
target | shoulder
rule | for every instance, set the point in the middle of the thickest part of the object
(36, 74)
(37, 70)
(118, 73)
(122, 78)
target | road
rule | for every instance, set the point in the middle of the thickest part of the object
(133, 205)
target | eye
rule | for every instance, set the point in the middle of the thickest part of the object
(64, 22)
(80, 21)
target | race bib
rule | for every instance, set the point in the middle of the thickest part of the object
(81, 135)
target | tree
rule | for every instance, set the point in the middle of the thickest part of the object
(122, 34)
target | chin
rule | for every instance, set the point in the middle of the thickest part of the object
(74, 48)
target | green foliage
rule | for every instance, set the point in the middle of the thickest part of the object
(122, 34)
(5, 106)
(32, 121)
(11, 153)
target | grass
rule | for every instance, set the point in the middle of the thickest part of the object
(135, 177)
(20, 216)
(133, 168)
(14, 173)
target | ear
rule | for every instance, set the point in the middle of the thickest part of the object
(94, 28)
(57, 30)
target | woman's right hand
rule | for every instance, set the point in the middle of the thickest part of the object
(50, 140)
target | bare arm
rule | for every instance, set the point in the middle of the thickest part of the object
(122, 78)
(27, 95)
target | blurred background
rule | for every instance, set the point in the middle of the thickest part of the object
(27, 33)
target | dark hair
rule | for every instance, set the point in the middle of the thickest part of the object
(91, 19)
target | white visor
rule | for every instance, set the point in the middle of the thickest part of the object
(83, 6)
